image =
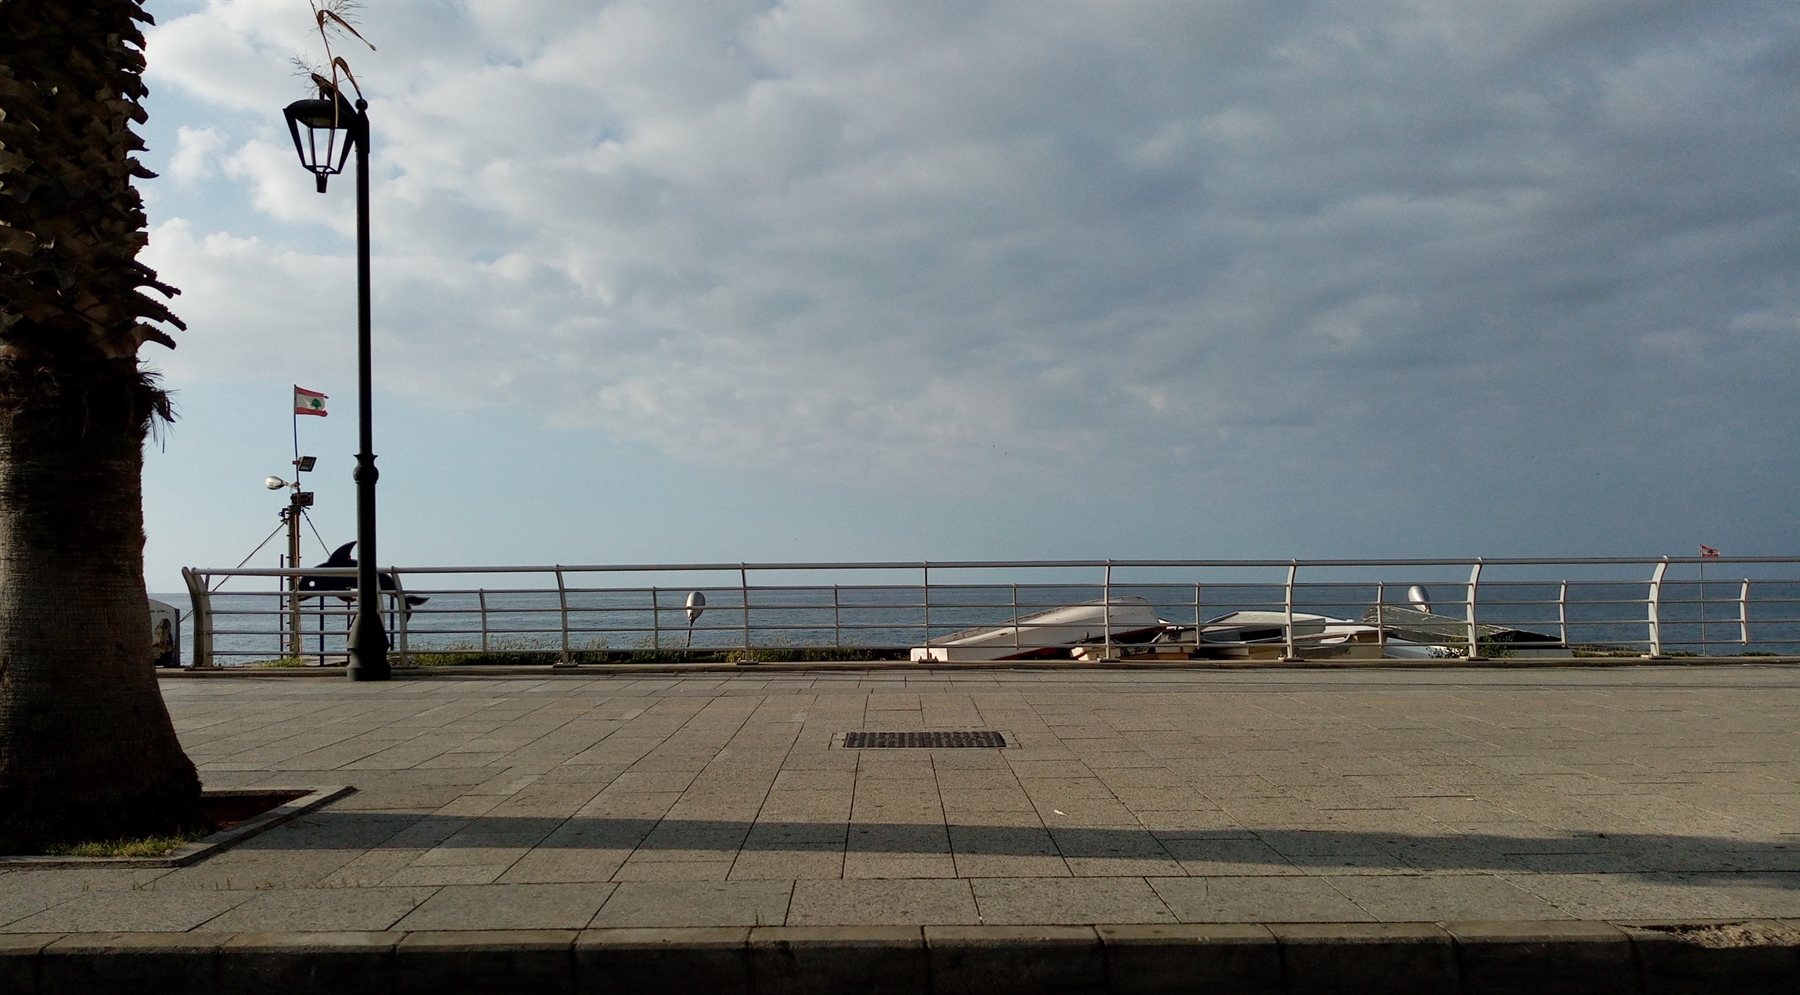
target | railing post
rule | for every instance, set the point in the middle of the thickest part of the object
(925, 574)
(1106, 611)
(1655, 606)
(1293, 652)
(1744, 613)
(1562, 616)
(481, 600)
(281, 638)
(1704, 649)
(1380, 628)
(562, 600)
(1197, 621)
(837, 624)
(399, 602)
(201, 601)
(1015, 619)
(744, 589)
(655, 620)
(1474, 651)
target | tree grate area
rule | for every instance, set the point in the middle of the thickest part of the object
(923, 740)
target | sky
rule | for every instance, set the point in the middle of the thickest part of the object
(706, 282)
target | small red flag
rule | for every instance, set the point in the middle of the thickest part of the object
(309, 402)
(1708, 551)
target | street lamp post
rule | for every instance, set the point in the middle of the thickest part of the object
(333, 127)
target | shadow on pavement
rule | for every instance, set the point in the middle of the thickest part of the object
(1235, 851)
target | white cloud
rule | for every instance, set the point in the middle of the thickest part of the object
(252, 308)
(196, 154)
(879, 239)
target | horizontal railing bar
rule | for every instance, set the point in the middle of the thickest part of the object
(675, 607)
(1004, 565)
(950, 606)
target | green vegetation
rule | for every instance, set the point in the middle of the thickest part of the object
(540, 652)
(1489, 650)
(286, 661)
(148, 846)
(811, 654)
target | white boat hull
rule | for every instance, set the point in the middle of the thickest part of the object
(1048, 633)
(1081, 632)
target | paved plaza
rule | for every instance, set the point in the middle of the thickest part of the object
(1290, 796)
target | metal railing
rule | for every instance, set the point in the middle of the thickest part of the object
(1616, 606)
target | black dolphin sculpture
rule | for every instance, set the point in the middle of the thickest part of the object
(341, 557)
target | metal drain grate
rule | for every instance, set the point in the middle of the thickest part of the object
(923, 740)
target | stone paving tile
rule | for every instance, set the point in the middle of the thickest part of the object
(372, 868)
(882, 903)
(680, 903)
(1053, 901)
(263, 868)
(1101, 867)
(1665, 896)
(901, 839)
(787, 864)
(887, 865)
(1258, 899)
(76, 881)
(449, 874)
(509, 906)
(1442, 898)
(321, 910)
(27, 893)
(699, 840)
(131, 912)
(548, 865)
(717, 869)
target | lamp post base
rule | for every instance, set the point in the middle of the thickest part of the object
(368, 650)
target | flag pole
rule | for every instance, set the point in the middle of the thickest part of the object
(295, 645)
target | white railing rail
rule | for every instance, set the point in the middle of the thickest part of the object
(1585, 604)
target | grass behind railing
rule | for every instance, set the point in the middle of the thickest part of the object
(521, 653)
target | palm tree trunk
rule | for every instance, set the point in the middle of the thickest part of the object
(87, 750)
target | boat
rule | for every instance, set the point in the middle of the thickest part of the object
(1053, 633)
(1441, 632)
(1079, 632)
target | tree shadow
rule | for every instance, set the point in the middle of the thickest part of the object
(1235, 851)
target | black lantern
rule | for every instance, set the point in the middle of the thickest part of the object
(332, 127)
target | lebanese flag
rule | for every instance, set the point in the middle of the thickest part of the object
(309, 402)
(1708, 551)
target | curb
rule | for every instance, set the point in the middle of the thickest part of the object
(1742, 957)
(190, 853)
